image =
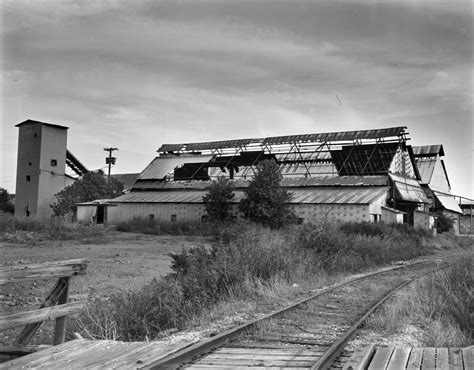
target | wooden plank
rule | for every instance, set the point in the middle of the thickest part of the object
(442, 359)
(69, 360)
(130, 357)
(109, 350)
(18, 274)
(414, 361)
(360, 358)
(455, 358)
(429, 359)
(52, 298)
(43, 314)
(381, 358)
(399, 358)
(60, 327)
(32, 359)
(468, 357)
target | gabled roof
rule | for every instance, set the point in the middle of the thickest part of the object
(30, 121)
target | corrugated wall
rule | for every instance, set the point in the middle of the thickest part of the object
(329, 212)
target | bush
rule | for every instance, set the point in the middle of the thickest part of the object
(265, 201)
(217, 200)
(246, 257)
(443, 223)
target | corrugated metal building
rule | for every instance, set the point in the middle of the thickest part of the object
(366, 175)
(311, 201)
(435, 182)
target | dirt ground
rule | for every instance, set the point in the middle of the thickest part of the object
(123, 262)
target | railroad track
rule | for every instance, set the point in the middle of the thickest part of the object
(308, 334)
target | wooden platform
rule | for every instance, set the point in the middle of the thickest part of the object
(374, 357)
(107, 354)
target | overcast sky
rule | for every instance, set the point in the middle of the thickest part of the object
(137, 74)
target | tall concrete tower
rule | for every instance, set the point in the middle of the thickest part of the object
(40, 167)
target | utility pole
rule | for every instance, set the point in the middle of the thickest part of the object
(110, 161)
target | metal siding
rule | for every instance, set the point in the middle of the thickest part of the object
(426, 167)
(332, 212)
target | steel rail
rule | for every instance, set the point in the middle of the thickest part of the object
(189, 353)
(333, 351)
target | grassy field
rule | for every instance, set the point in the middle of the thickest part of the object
(145, 286)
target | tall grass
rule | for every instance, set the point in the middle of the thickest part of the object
(31, 230)
(155, 227)
(243, 259)
(441, 305)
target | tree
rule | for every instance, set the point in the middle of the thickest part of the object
(5, 201)
(443, 223)
(92, 186)
(265, 201)
(217, 200)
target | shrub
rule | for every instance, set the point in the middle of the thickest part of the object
(217, 200)
(246, 257)
(443, 223)
(265, 201)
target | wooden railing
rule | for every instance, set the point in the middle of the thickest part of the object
(55, 306)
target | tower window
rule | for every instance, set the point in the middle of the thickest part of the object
(35, 135)
(173, 218)
(28, 178)
(54, 162)
(29, 163)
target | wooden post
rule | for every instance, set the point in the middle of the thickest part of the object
(60, 328)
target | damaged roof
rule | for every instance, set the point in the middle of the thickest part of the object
(428, 150)
(289, 139)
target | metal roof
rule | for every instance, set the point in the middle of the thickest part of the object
(426, 168)
(409, 189)
(209, 145)
(276, 140)
(336, 181)
(343, 195)
(337, 136)
(127, 179)
(41, 123)
(316, 195)
(428, 150)
(176, 196)
(329, 181)
(448, 201)
(163, 165)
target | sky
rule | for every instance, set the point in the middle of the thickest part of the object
(137, 74)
